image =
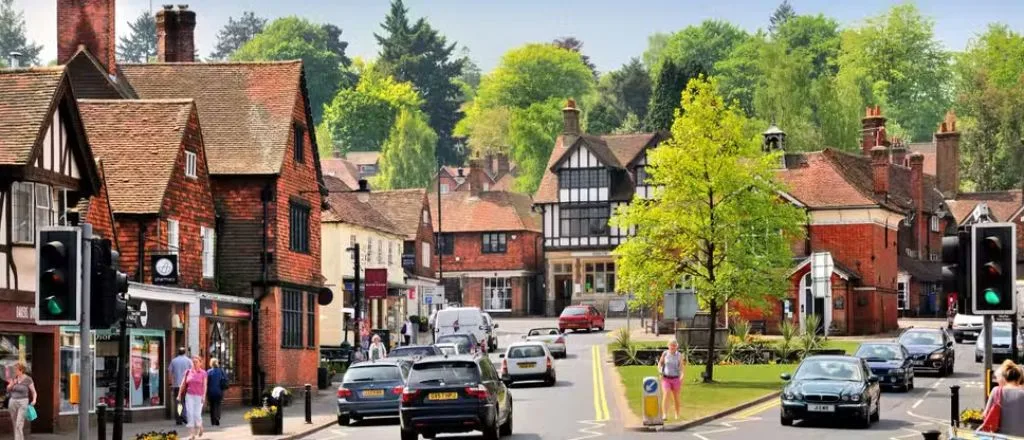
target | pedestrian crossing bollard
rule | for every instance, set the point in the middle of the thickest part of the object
(101, 421)
(652, 402)
(309, 404)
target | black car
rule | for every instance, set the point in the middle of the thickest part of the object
(931, 349)
(446, 394)
(889, 361)
(414, 351)
(372, 388)
(825, 387)
(467, 342)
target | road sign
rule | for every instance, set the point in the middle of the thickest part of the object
(428, 300)
(652, 402)
(432, 294)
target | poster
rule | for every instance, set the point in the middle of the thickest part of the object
(154, 373)
(136, 379)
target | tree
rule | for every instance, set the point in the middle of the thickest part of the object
(628, 88)
(532, 133)
(469, 81)
(703, 45)
(575, 45)
(419, 54)
(140, 45)
(407, 159)
(656, 43)
(630, 124)
(667, 89)
(718, 220)
(604, 117)
(490, 133)
(236, 33)
(12, 35)
(317, 46)
(782, 14)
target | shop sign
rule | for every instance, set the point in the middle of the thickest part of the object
(164, 268)
(412, 294)
(15, 312)
(376, 283)
(209, 307)
(152, 314)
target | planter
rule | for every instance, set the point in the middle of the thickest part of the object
(263, 426)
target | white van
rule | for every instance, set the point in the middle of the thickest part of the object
(461, 320)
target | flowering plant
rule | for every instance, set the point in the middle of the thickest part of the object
(260, 413)
(173, 435)
(971, 417)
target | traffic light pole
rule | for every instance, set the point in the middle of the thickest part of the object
(122, 376)
(988, 345)
(87, 367)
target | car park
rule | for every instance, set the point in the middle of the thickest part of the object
(829, 388)
(581, 317)
(414, 351)
(553, 337)
(1001, 341)
(528, 361)
(449, 349)
(931, 349)
(889, 361)
(967, 327)
(371, 389)
(455, 394)
(467, 342)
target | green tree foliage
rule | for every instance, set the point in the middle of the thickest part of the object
(575, 45)
(782, 13)
(419, 54)
(140, 44)
(532, 133)
(12, 35)
(324, 140)
(603, 117)
(668, 87)
(620, 93)
(407, 159)
(318, 47)
(236, 33)
(490, 132)
(718, 219)
(656, 43)
(702, 45)
(469, 81)
(990, 102)
(630, 124)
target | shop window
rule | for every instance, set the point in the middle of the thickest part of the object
(145, 383)
(14, 348)
(291, 318)
(498, 294)
(311, 320)
(223, 346)
(494, 243)
(599, 277)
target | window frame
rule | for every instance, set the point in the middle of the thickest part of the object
(599, 270)
(299, 142)
(445, 243)
(191, 165)
(23, 224)
(425, 255)
(934, 223)
(493, 243)
(902, 295)
(505, 285)
(571, 221)
(445, 188)
(40, 210)
(173, 230)
(310, 316)
(299, 227)
(583, 178)
(292, 318)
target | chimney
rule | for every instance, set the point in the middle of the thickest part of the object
(503, 164)
(917, 193)
(88, 23)
(871, 126)
(364, 185)
(899, 153)
(571, 119)
(880, 166)
(476, 178)
(175, 29)
(947, 157)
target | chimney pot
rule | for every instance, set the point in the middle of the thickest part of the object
(168, 7)
(871, 126)
(364, 185)
(183, 7)
(947, 157)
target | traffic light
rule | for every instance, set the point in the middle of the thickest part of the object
(108, 286)
(58, 287)
(955, 265)
(994, 268)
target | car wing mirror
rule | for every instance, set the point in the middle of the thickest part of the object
(501, 355)
(495, 325)
(785, 376)
(872, 379)
(949, 344)
(525, 336)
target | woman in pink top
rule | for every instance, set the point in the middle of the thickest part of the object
(193, 395)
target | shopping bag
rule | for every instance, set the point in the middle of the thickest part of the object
(992, 418)
(30, 413)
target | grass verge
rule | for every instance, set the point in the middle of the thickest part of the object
(846, 345)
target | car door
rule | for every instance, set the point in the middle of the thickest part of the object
(596, 320)
(495, 387)
(874, 389)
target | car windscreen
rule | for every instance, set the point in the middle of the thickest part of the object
(375, 373)
(1001, 332)
(574, 311)
(543, 332)
(820, 369)
(921, 338)
(447, 372)
(412, 351)
(455, 339)
(526, 351)
(880, 352)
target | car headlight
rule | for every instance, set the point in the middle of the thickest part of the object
(936, 356)
(788, 395)
(846, 397)
(855, 397)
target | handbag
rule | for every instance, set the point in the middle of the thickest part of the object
(223, 382)
(30, 413)
(992, 418)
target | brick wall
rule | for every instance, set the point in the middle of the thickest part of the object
(868, 249)
(425, 234)
(522, 253)
(239, 239)
(99, 215)
(291, 368)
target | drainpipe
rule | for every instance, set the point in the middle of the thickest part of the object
(140, 273)
(266, 196)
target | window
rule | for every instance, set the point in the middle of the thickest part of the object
(599, 277)
(311, 320)
(391, 252)
(426, 217)
(173, 241)
(23, 221)
(62, 208)
(299, 228)
(494, 243)
(190, 164)
(425, 255)
(901, 296)
(380, 251)
(583, 178)
(291, 318)
(585, 222)
(935, 223)
(444, 188)
(498, 294)
(300, 142)
(223, 346)
(43, 199)
(487, 186)
(445, 244)
(209, 241)
(368, 257)
(641, 175)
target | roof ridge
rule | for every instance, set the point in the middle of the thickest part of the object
(216, 63)
(32, 69)
(139, 101)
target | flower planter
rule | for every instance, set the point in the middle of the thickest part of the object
(262, 426)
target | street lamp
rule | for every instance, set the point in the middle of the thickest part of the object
(357, 315)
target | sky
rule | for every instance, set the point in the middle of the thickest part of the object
(612, 31)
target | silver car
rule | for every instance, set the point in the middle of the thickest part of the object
(1000, 342)
(550, 336)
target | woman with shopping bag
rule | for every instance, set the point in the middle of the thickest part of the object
(1006, 403)
(19, 389)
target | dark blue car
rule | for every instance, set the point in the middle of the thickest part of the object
(371, 389)
(889, 361)
(931, 349)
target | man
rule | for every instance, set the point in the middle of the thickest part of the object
(407, 331)
(177, 369)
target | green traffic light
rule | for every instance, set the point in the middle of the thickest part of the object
(53, 306)
(991, 297)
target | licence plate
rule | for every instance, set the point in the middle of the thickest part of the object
(442, 396)
(821, 408)
(373, 393)
(918, 362)
(527, 364)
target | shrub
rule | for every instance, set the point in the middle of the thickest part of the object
(172, 435)
(622, 339)
(809, 339)
(260, 413)
(788, 331)
(741, 329)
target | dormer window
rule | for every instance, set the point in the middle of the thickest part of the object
(583, 178)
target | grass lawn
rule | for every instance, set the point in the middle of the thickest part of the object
(735, 384)
(849, 346)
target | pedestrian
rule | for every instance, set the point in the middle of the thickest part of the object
(216, 384)
(377, 350)
(193, 395)
(671, 367)
(407, 331)
(19, 389)
(177, 369)
(1006, 403)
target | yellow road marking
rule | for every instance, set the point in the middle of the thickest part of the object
(600, 400)
(757, 409)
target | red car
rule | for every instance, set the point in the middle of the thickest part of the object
(580, 317)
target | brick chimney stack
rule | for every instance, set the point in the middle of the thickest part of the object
(947, 157)
(899, 153)
(571, 119)
(503, 164)
(917, 193)
(476, 177)
(88, 23)
(880, 167)
(871, 126)
(175, 32)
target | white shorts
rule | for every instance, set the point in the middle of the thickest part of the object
(193, 411)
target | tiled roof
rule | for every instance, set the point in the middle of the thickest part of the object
(246, 108)
(138, 143)
(504, 183)
(402, 207)
(614, 150)
(335, 184)
(26, 96)
(927, 271)
(490, 211)
(346, 208)
(547, 191)
(626, 147)
(1002, 204)
(927, 149)
(820, 185)
(363, 157)
(341, 169)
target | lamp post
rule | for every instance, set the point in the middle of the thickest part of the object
(357, 315)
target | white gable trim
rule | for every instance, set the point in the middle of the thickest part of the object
(858, 216)
(836, 270)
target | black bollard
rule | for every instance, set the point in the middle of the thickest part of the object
(101, 421)
(931, 435)
(309, 404)
(954, 405)
(279, 423)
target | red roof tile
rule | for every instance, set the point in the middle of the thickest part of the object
(927, 149)
(490, 211)
(341, 169)
(26, 96)
(1002, 204)
(402, 207)
(346, 208)
(547, 191)
(820, 185)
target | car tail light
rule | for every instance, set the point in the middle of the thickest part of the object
(560, 340)
(408, 396)
(549, 363)
(397, 390)
(344, 393)
(479, 391)
(504, 365)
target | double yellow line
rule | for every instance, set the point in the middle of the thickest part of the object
(757, 409)
(600, 401)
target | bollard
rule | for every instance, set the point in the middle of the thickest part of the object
(931, 435)
(309, 404)
(101, 421)
(954, 405)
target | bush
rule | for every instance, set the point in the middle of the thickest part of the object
(172, 435)
(809, 339)
(788, 331)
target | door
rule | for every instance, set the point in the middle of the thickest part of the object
(812, 306)
(563, 292)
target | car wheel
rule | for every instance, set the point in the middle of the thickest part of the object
(878, 413)
(601, 328)
(493, 432)
(343, 421)
(865, 421)
(550, 381)
(785, 421)
(910, 384)
(409, 435)
(949, 369)
(506, 428)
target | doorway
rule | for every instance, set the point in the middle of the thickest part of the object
(563, 292)
(811, 305)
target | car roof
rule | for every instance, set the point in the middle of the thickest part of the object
(542, 328)
(463, 335)
(412, 346)
(446, 344)
(524, 343)
(832, 357)
(381, 362)
(454, 357)
(881, 343)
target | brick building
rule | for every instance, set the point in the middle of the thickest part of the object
(489, 243)
(499, 174)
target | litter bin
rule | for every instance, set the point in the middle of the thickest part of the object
(323, 380)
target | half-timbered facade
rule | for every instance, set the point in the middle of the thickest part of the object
(586, 180)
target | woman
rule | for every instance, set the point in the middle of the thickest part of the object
(671, 365)
(1006, 403)
(20, 388)
(193, 394)
(377, 350)
(216, 383)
